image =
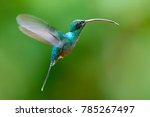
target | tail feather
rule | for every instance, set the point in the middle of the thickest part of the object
(46, 78)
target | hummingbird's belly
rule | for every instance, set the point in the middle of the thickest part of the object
(66, 50)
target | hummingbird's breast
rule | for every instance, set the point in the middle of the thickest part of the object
(69, 43)
(66, 49)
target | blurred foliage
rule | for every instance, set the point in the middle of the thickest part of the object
(109, 61)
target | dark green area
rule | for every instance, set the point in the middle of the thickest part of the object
(109, 61)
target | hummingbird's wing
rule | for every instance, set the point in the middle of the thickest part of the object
(38, 29)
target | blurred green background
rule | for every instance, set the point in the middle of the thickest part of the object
(109, 61)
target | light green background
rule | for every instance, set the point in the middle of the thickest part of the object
(109, 61)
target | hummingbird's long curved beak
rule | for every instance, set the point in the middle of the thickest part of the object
(100, 20)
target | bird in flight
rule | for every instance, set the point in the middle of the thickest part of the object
(62, 43)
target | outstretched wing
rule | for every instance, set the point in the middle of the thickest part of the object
(38, 29)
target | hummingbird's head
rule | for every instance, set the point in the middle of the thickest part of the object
(77, 25)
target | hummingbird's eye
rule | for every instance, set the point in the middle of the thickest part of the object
(79, 24)
(82, 22)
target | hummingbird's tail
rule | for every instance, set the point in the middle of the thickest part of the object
(49, 69)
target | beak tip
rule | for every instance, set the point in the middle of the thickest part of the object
(116, 23)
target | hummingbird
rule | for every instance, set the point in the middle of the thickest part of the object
(62, 43)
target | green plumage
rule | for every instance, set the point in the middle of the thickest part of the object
(63, 43)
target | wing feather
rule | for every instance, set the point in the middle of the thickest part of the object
(38, 29)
